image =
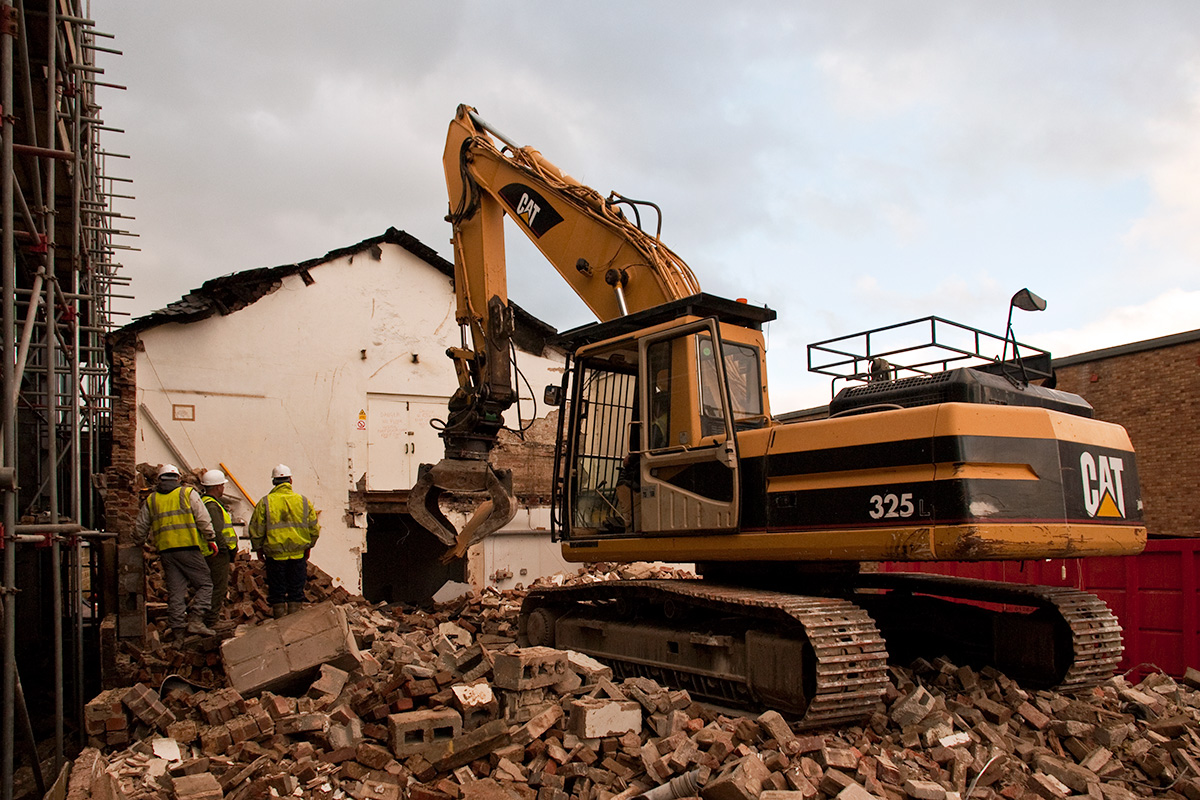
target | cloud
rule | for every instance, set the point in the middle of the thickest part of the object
(950, 153)
(1174, 311)
(1169, 224)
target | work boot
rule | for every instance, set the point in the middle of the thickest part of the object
(176, 634)
(279, 610)
(294, 607)
(198, 626)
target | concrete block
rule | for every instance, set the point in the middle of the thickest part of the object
(529, 668)
(412, 732)
(913, 708)
(270, 669)
(287, 653)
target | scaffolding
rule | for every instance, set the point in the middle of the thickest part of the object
(60, 248)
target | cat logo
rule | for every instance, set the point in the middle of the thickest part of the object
(528, 206)
(1103, 494)
(527, 209)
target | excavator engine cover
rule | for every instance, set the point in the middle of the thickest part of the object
(962, 385)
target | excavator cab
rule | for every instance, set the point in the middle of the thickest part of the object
(649, 432)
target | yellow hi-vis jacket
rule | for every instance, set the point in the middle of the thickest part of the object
(171, 522)
(226, 534)
(284, 524)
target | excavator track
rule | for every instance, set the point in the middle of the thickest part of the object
(845, 660)
(1065, 639)
(1096, 637)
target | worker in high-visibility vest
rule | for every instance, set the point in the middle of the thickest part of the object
(283, 529)
(183, 536)
(220, 563)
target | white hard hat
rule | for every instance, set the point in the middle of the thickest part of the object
(281, 471)
(168, 469)
(214, 477)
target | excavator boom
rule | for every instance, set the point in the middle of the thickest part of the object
(612, 264)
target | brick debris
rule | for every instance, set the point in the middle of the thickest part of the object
(443, 705)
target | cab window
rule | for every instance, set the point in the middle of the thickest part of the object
(742, 373)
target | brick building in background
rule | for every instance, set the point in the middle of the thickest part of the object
(1152, 388)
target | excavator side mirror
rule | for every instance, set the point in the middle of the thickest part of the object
(1028, 301)
(552, 396)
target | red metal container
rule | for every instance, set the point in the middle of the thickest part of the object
(1154, 595)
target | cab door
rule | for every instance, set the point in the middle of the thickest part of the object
(688, 466)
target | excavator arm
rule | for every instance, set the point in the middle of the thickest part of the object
(612, 264)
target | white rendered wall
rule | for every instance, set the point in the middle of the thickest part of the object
(295, 378)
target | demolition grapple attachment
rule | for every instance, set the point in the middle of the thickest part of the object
(468, 477)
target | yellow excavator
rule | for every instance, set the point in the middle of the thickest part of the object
(667, 451)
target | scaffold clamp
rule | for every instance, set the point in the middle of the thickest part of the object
(8, 20)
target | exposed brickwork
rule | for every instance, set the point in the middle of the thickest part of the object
(1155, 395)
(531, 459)
(121, 499)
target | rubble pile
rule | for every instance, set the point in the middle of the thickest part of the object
(152, 661)
(443, 705)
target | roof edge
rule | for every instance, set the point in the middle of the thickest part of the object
(236, 290)
(1129, 349)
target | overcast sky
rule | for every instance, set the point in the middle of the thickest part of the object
(850, 165)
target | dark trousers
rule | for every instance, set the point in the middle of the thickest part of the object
(286, 579)
(184, 568)
(218, 565)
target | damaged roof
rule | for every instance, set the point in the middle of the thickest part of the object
(233, 292)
